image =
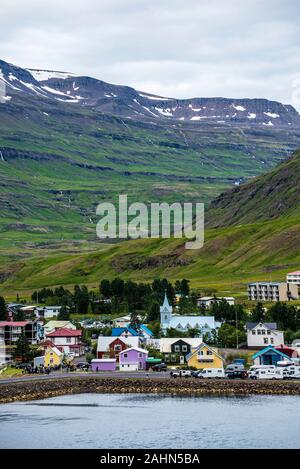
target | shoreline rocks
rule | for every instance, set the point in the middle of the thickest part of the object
(43, 389)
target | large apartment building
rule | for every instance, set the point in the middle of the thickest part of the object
(293, 278)
(272, 291)
(10, 331)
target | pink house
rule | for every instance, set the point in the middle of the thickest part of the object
(133, 359)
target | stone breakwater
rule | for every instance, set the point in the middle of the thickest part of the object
(32, 390)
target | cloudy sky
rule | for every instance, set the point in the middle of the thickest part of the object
(178, 48)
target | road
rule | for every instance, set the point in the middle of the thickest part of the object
(84, 374)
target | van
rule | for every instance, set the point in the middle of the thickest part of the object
(212, 373)
(234, 367)
(266, 374)
(254, 368)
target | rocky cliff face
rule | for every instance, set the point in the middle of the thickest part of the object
(127, 102)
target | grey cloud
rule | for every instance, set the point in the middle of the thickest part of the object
(233, 48)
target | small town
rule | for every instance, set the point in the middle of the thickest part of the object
(165, 329)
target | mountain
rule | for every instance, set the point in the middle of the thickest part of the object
(68, 143)
(263, 247)
(127, 102)
(265, 198)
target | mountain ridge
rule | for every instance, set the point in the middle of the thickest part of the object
(127, 102)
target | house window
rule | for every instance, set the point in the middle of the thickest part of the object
(263, 332)
(253, 332)
(266, 341)
(177, 348)
(268, 332)
(125, 355)
(117, 348)
(208, 352)
(272, 340)
(68, 340)
(140, 355)
(184, 348)
(258, 331)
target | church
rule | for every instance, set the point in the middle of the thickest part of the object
(168, 320)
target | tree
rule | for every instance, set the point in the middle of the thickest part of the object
(22, 349)
(135, 322)
(19, 315)
(185, 288)
(227, 336)
(81, 299)
(258, 313)
(3, 309)
(64, 314)
(105, 288)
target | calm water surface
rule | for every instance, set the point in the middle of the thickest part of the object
(151, 421)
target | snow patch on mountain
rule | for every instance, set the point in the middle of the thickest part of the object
(43, 75)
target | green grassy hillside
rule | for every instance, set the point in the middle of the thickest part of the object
(229, 259)
(267, 197)
(58, 162)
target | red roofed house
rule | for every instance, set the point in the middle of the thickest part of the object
(294, 278)
(67, 340)
(10, 331)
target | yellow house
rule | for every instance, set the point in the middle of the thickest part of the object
(205, 356)
(53, 357)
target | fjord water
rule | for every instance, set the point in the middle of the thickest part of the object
(151, 421)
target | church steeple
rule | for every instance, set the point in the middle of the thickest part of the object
(165, 313)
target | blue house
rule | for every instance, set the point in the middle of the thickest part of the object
(269, 356)
(144, 332)
(124, 332)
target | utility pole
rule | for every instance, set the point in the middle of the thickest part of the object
(236, 328)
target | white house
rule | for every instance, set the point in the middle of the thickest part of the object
(47, 312)
(294, 278)
(263, 334)
(67, 340)
(208, 301)
(206, 324)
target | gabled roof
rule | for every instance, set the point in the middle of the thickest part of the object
(146, 329)
(55, 350)
(182, 322)
(270, 348)
(197, 349)
(137, 349)
(104, 342)
(58, 324)
(62, 332)
(268, 325)
(117, 331)
(167, 342)
(297, 272)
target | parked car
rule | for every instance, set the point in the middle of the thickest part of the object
(181, 374)
(160, 367)
(82, 365)
(210, 373)
(242, 374)
(195, 373)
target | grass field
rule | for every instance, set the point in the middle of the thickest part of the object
(231, 257)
